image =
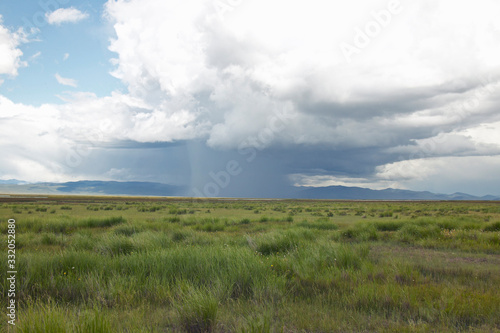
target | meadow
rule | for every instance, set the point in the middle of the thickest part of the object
(111, 264)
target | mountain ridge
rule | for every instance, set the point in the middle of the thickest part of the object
(361, 193)
(138, 188)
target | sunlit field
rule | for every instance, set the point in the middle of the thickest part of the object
(97, 264)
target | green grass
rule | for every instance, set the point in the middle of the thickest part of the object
(172, 265)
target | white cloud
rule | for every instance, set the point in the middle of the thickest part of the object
(35, 56)
(485, 134)
(410, 75)
(123, 174)
(65, 56)
(64, 15)
(30, 143)
(51, 142)
(10, 59)
(66, 81)
(477, 174)
(329, 180)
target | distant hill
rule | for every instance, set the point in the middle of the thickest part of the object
(123, 188)
(88, 187)
(360, 193)
(12, 182)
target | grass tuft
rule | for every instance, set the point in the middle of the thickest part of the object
(197, 310)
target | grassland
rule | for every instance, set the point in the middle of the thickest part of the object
(170, 265)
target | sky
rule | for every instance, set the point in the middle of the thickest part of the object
(247, 98)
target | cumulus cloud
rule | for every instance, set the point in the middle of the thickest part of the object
(66, 81)
(31, 144)
(10, 59)
(51, 142)
(477, 174)
(65, 15)
(400, 87)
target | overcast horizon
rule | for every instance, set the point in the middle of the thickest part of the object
(247, 98)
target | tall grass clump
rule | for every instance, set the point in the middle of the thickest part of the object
(83, 241)
(494, 226)
(319, 224)
(388, 225)
(101, 223)
(360, 232)
(180, 235)
(209, 225)
(44, 319)
(257, 325)
(51, 318)
(115, 245)
(94, 322)
(151, 240)
(314, 260)
(51, 239)
(197, 309)
(51, 225)
(459, 223)
(127, 229)
(275, 242)
(411, 232)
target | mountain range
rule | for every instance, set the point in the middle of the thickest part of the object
(158, 189)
